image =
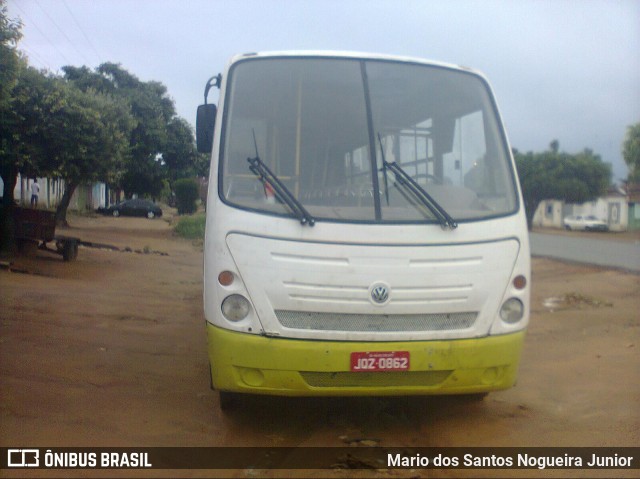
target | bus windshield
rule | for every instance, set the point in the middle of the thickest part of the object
(328, 128)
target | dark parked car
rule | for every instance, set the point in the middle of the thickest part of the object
(136, 207)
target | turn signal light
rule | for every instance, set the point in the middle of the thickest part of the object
(520, 282)
(225, 278)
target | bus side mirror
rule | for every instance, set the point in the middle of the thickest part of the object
(205, 121)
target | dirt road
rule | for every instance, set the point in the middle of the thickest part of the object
(110, 350)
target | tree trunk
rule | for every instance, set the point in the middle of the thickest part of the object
(61, 211)
(9, 174)
(10, 178)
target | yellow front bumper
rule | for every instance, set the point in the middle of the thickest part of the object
(248, 363)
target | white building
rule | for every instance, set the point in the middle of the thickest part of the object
(86, 197)
(612, 208)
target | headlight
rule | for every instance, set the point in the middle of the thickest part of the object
(235, 307)
(512, 310)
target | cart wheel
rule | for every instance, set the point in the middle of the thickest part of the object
(69, 250)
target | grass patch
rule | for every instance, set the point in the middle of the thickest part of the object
(191, 227)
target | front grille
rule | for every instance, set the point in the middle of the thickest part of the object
(375, 322)
(378, 379)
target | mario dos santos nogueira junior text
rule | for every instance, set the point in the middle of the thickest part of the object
(508, 461)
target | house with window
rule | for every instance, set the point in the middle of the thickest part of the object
(613, 208)
(86, 197)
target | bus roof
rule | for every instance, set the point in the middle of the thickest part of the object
(352, 55)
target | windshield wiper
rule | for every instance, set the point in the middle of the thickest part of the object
(411, 185)
(282, 193)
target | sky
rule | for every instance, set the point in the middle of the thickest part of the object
(560, 69)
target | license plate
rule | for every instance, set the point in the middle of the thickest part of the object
(380, 361)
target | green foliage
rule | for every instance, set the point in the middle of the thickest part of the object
(152, 109)
(201, 164)
(36, 100)
(103, 124)
(144, 177)
(10, 65)
(91, 136)
(186, 195)
(55, 129)
(161, 144)
(9, 27)
(92, 125)
(89, 140)
(191, 227)
(631, 152)
(557, 175)
(10, 34)
(180, 153)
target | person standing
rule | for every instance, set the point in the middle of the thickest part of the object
(35, 193)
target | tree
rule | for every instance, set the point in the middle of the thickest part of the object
(556, 175)
(201, 164)
(89, 141)
(53, 126)
(55, 129)
(10, 34)
(10, 65)
(631, 152)
(153, 111)
(179, 153)
(142, 176)
(186, 195)
(36, 100)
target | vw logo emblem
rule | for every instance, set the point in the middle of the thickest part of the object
(379, 293)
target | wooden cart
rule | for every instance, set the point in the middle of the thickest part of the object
(35, 228)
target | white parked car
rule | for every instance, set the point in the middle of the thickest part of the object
(585, 223)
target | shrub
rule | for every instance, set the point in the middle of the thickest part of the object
(186, 196)
(191, 227)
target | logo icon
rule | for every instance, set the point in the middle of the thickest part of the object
(379, 293)
(23, 457)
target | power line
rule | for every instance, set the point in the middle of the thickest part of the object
(35, 25)
(98, 56)
(33, 55)
(61, 31)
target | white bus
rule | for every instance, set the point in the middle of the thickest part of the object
(365, 229)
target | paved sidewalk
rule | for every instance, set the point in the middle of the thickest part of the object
(601, 252)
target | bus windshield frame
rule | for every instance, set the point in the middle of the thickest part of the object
(328, 127)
